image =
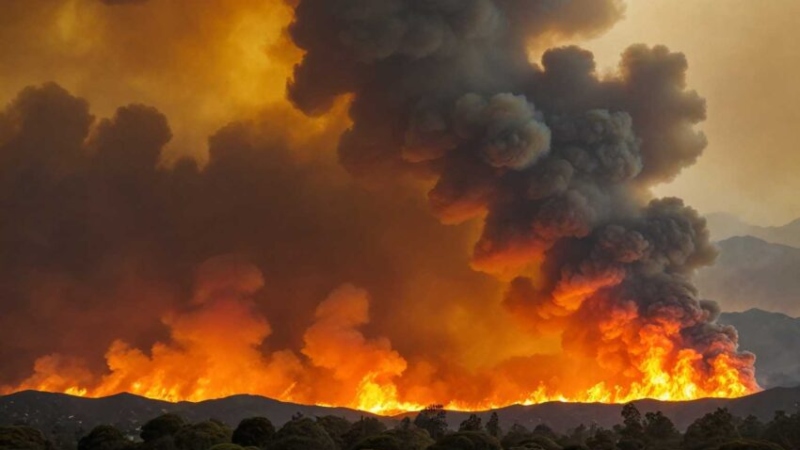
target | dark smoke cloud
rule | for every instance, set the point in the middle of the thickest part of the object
(556, 159)
(100, 238)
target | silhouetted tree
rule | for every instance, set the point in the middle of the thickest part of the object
(104, 437)
(659, 428)
(412, 438)
(493, 426)
(472, 423)
(579, 434)
(433, 419)
(362, 429)
(632, 428)
(602, 439)
(255, 431)
(545, 431)
(202, 435)
(336, 427)
(467, 440)
(710, 431)
(751, 428)
(519, 437)
(302, 434)
(745, 444)
(161, 426)
(23, 438)
(405, 424)
(379, 442)
(784, 430)
(228, 446)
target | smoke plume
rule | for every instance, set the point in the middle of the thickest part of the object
(538, 267)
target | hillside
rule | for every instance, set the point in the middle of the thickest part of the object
(57, 411)
(753, 273)
(724, 226)
(775, 339)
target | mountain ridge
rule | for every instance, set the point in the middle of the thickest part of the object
(48, 411)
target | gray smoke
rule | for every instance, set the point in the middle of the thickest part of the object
(556, 160)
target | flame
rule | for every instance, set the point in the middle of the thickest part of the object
(215, 354)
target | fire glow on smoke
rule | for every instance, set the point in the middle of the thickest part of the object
(546, 168)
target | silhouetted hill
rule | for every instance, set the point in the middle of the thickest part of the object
(751, 272)
(49, 411)
(775, 339)
(724, 226)
(52, 411)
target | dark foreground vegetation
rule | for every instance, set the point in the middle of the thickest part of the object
(719, 430)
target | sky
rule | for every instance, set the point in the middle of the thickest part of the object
(226, 63)
(743, 58)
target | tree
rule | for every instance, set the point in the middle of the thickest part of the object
(472, 423)
(412, 438)
(228, 446)
(255, 431)
(23, 438)
(104, 437)
(632, 425)
(751, 428)
(302, 434)
(433, 419)
(515, 435)
(364, 428)
(493, 426)
(784, 430)
(710, 431)
(336, 427)
(202, 435)
(602, 439)
(379, 442)
(405, 424)
(161, 426)
(467, 440)
(659, 428)
(545, 431)
(745, 444)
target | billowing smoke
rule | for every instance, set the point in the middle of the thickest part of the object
(550, 273)
(555, 160)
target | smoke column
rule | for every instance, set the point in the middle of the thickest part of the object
(555, 160)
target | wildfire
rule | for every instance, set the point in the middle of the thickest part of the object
(681, 382)
(214, 355)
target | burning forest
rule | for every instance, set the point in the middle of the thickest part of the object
(432, 214)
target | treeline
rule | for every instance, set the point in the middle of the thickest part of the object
(429, 430)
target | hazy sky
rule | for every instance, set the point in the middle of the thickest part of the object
(744, 58)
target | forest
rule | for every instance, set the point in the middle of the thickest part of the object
(428, 430)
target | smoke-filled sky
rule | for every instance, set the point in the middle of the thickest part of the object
(209, 63)
(384, 196)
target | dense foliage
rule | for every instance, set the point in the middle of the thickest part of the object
(719, 430)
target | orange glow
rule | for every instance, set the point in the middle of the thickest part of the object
(216, 352)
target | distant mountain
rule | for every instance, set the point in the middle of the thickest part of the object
(724, 226)
(775, 339)
(753, 273)
(58, 412)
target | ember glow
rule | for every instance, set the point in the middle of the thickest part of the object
(487, 237)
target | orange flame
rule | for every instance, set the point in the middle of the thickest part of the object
(217, 351)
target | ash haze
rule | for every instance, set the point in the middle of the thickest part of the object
(381, 204)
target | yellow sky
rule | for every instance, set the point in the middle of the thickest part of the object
(744, 59)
